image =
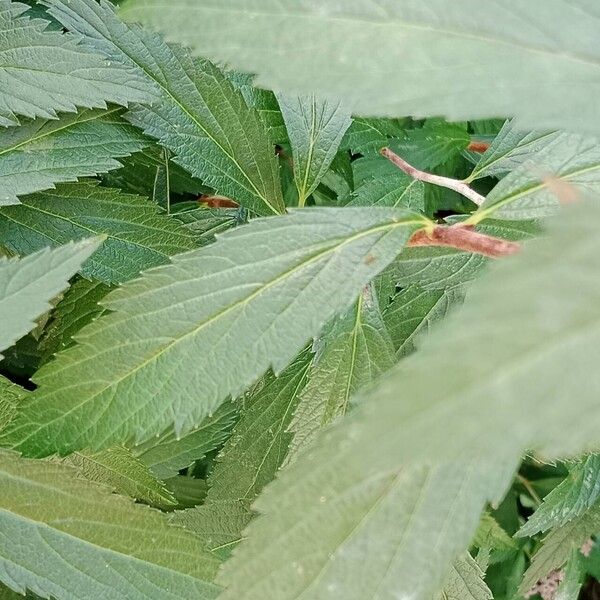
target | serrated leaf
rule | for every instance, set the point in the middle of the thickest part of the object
(253, 299)
(259, 441)
(435, 143)
(10, 396)
(568, 500)
(464, 582)
(218, 524)
(535, 387)
(416, 57)
(188, 491)
(43, 72)
(565, 169)
(27, 285)
(140, 170)
(354, 350)
(397, 189)
(264, 101)
(78, 307)
(370, 135)
(120, 470)
(413, 311)
(490, 535)
(139, 235)
(315, 128)
(196, 111)
(206, 223)
(83, 541)
(440, 268)
(166, 455)
(509, 150)
(559, 545)
(41, 153)
(373, 530)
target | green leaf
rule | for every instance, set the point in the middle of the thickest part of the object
(141, 170)
(264, 101)
(535, 387)
(78, 307)
(196, 111)
(416, 58)
(44, 72)
(206, 223)
(11, 395)
(167, 455)
(27, 285)
(569, 499)
(559, 545)
(397, 189)
(370, 135)
(464, 582)
(435, 143)
(414, 310)
(187, 490)
(354, 350)
(315, 128)
(252, 299)
(442, 268)
(83, 541)
(41, 153)
(218, 524)
(138, 234)
(565, 169)
(491, 536)
(259, 441)
(510, 149)
(375, 534)
(118, 469)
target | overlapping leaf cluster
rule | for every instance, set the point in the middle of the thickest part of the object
(228, 369)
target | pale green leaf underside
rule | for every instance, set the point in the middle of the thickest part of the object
(533, 387)
(315, 128)
(417, 57)
(28, 284)
(253, 299)
(46, 72)
(40, 153)
(66, 537)
(195, 111)
(139, 235)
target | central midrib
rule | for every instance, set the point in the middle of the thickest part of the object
(222, 313)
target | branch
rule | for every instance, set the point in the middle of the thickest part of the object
(464, 238)
(453, 184)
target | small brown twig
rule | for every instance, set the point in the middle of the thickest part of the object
(453, 184)
(464, 237)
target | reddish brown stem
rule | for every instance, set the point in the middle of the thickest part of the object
(464, 238)
(453, 184)
(479, 147)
